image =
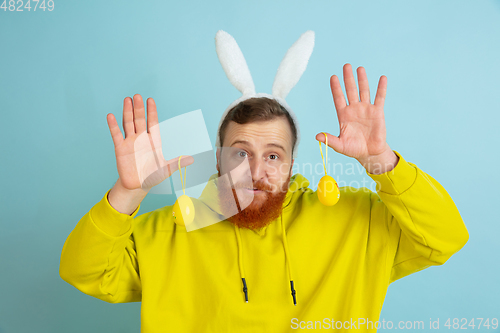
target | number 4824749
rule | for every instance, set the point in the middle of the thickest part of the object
(485, 323)
(29, 5)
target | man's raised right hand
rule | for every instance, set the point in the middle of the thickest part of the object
(139, 156)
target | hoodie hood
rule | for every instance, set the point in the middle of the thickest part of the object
(210, 198)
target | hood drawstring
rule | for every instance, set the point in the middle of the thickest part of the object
(240, 261)
(287, 261)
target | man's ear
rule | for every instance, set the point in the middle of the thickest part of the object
(217, 154)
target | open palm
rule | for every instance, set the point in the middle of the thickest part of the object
(362, 125)
(139, 156)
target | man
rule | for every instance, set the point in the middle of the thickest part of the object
(284, 262)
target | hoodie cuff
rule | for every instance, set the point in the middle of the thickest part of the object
(109, 220)
(397, 180)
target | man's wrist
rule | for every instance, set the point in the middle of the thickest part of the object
(124, 200)
(380, 164)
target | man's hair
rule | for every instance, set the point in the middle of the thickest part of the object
(257, 109)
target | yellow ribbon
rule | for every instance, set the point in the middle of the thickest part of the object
(180, 172)
(321, 150)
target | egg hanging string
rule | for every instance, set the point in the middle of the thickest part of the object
(321, 150)
(180, 173)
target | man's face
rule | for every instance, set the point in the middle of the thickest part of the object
(266, 147)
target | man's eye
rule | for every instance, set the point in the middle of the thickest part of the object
(276, 156)
(242, 153)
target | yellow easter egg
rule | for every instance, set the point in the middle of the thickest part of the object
(328, 191)
(183, 210)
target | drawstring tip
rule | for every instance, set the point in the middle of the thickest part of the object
(293, 293)
(245, 289)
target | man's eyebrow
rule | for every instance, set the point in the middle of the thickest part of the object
(272, 144)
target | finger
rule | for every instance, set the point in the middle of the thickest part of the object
(364, 88)
(381, 91)
(128, 117)
(153, 126)
(116, 134)
(173, 165)
(139, 115)
(152, 114)
(333, 142)
(350, 85)
(338, 95)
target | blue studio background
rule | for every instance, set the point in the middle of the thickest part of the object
(62, 71)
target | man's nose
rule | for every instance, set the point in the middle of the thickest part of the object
(258, 168)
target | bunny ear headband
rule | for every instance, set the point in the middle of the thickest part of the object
(289, 72)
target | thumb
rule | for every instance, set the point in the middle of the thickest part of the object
(333, 141)
(173, 165)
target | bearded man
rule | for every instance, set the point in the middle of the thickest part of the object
(278, 259)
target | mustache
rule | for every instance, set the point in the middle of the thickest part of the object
(259, 186)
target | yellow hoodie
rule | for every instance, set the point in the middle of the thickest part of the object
(341, 259)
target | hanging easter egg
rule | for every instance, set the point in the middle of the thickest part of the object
(183, 210)
(328, 191)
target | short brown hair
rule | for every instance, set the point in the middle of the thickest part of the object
(257, 109)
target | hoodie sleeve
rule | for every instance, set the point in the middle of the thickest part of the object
(424, 225)
(99, 256)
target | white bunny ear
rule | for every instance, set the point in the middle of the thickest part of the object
(293, 64)
(233, 63)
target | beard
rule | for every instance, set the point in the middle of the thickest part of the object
(263, 208)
